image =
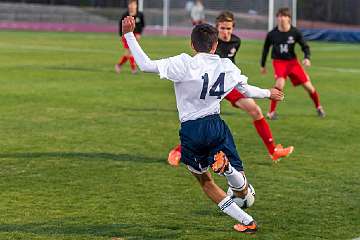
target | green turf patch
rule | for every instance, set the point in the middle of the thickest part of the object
(83, 150)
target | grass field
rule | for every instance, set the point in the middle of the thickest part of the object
(83, 150)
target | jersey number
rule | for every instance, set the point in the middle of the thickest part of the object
(216, 90)
(284, 48)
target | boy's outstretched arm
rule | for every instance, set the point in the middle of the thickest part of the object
(142, 60)
(256, 92)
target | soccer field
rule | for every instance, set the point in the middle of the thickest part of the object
(83, 150)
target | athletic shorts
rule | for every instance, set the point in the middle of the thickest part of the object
(123, 39)
(202, 138)
(234, 96)
(291, 69)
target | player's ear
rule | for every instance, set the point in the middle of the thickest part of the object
(192, 46)
(214, 47)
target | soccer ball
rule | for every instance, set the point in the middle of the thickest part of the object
(246, 202)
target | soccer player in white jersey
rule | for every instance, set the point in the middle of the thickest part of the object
(200, 83)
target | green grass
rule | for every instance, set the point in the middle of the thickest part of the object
(83, 150)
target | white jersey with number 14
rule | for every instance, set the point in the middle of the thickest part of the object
(200, 82)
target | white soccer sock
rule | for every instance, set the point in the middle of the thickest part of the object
(236, 180)
(228, 206)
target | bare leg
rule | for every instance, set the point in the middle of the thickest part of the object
(213, 191)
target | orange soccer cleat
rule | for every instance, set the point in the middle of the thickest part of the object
(221, 163)
(249, 228)
(174, 156)
(281, 152)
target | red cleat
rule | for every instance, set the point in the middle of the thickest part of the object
(281, 152)
(221, 163)
(175, 156)
(249, 228)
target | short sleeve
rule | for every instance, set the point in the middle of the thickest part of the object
(173, 68)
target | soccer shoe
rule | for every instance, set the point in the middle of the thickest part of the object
(272, 116)
(249, 228)
(117, 68)
(174, 157)
(134, 71)
(320, 112)
(281, 152)
(221, 163)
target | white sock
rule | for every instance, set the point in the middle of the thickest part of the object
(228, 206)
(236, 180)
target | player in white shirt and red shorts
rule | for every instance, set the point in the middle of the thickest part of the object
(200, 83)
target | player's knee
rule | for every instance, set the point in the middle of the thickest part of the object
(309, 87)
(205, 181)
(255, 112)
(280, 82)
(207, 185)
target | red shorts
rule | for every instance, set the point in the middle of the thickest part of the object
(291, 69)
(123, 39)
(234, 96)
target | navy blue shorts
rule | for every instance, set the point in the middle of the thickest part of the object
(202, 138)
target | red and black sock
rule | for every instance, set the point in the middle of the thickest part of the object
(132, 63)
(264, 131)
(123, 60)
(315, 97)
(273, 106)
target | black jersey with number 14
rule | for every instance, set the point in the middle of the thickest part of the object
(283, 44)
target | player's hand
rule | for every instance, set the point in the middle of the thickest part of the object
(128, 24)
(263, 70)
(276, 94)
(306, 62)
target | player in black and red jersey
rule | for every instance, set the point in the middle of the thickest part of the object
(228, 46)
(139, 27)
(283, 39)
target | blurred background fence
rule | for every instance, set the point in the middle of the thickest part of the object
(315, 16)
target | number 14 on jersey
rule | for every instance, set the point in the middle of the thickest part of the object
(216, 90)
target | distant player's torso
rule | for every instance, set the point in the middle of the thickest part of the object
(283, 43)
(139, 21)
(228, 49)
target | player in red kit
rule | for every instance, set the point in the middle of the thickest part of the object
(283, 39)
(228, 46)
(140, 24)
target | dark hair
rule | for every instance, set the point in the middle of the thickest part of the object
(203, 37)
(284, 12)
(132, 1)
(225, 16)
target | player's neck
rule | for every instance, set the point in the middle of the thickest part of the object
(284, 28)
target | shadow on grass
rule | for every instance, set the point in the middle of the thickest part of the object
(85, 156)
(121, 230)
